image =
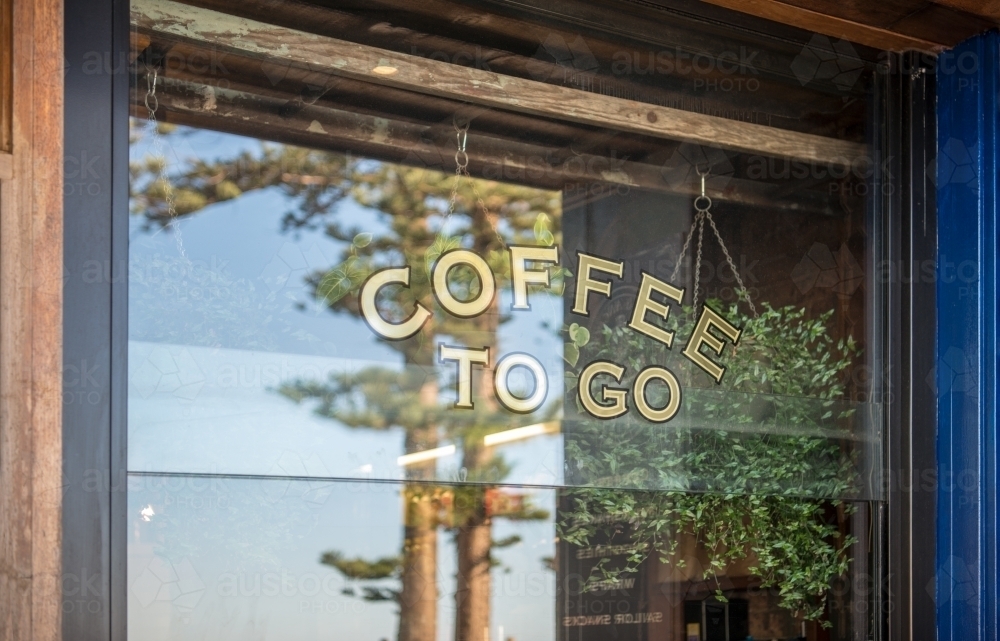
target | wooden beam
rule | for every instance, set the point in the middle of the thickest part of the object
(31, 259)
(433, 147)
(781, 97)
(658, 27)
(137, 42)
(829, 25)
(280, 45)
(985, 8)
(389, 102)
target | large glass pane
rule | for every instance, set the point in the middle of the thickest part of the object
(246, 316)
(225, 558)
(499, 320)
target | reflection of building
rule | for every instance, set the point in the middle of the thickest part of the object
(590, 609)
(668, 601)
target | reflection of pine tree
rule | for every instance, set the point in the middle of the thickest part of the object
(411, 205)
(462, 509)
(380, 398)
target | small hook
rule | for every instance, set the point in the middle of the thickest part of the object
(703, 175)
(461, 122)
(703, 198)
(151, 101)
(461, 131)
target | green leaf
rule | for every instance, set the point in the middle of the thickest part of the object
(579, 335)
(542, 232)
(363, 239)
(440, 245)
(335, 285)
(342, 280)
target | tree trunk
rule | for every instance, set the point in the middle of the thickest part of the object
(472, 597)
(419, 593)
(418, 597)
(474, 537)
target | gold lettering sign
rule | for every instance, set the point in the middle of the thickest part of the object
(653, 300)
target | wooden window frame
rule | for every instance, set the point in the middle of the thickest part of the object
(31, 216)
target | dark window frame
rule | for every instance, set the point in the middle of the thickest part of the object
(96, 327)
(912, 409)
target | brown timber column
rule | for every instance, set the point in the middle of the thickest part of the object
(31, 210)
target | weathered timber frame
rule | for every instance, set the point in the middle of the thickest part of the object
(6, 87)
(31, 216)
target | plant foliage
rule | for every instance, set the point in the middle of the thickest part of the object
(754, 469)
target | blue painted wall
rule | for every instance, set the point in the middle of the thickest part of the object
(968, 82)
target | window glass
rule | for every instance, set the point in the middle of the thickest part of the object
(498, 320)
(237, 558)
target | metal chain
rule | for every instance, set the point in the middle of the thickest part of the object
(491, 218)
(461, 163)
(462, 169)
(684, 249)
(732, 266)
(702, 205)
(697, 264)
(152, 104)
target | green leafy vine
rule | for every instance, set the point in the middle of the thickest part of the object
(754, 469)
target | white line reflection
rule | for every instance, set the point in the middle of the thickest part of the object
(426, 455)
(519, 433)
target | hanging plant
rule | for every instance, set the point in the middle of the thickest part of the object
(755, 468)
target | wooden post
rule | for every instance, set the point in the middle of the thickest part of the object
(31, 242)
(6, 69)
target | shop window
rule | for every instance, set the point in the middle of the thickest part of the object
(500, 321)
